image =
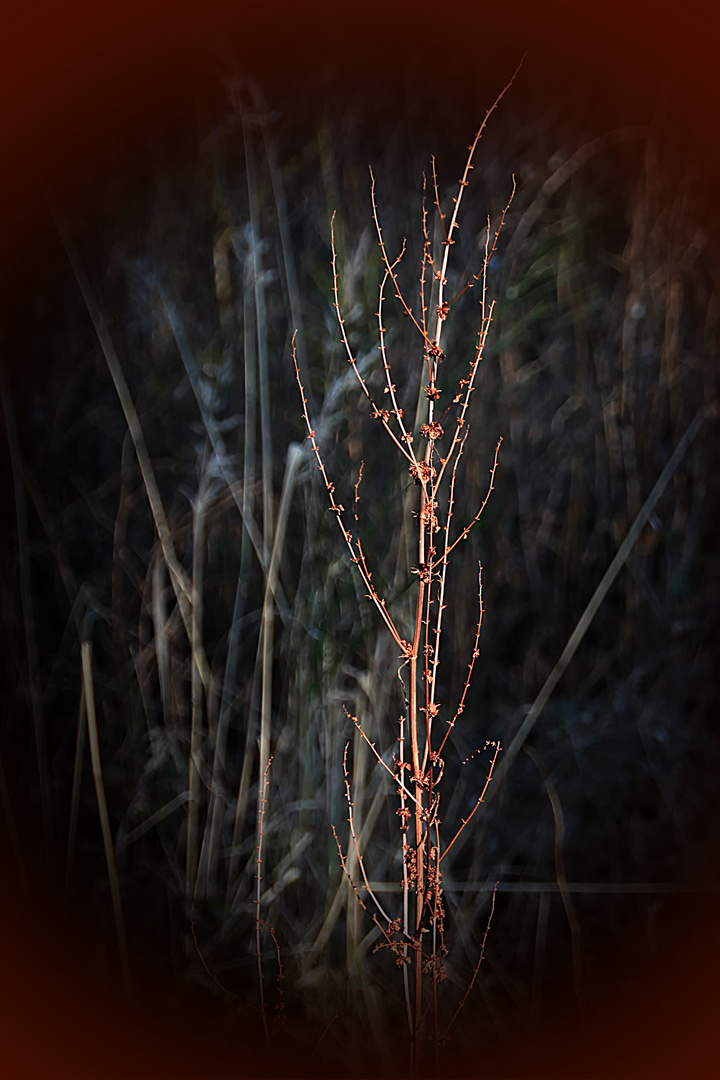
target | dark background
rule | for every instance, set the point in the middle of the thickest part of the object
(84, 92)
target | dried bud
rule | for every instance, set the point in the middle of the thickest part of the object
(431, 431)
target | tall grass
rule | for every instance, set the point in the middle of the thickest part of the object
(168, 496)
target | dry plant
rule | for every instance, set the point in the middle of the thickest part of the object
(431, 449)
(161, 500)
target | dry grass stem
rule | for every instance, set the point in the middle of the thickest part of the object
(258, 892)
(94, 740)
(602, 590)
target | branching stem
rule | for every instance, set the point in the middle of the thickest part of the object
(434, 459)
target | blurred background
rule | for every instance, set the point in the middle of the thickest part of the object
(170, 179)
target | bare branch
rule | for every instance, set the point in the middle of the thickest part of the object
(467, 820)
(471, 665)
(477, 966)
(464, 534)
(337, 508)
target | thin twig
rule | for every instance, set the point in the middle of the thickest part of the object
(477, 966)
(471, 665)
(357, 556)
(210, 974)
(481, 799)
(378, 414)
(464, 534)
(358, 854)
(398, 779)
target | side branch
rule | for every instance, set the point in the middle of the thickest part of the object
(398, 779)
(489, 251)
(467, 386)
(337, 508)
(471, 665)
(358, 856)
(463, 535)
(466, 995)
(378, 414)
(390, 267)
(468, 166)
(393, 925)
(467, 820)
